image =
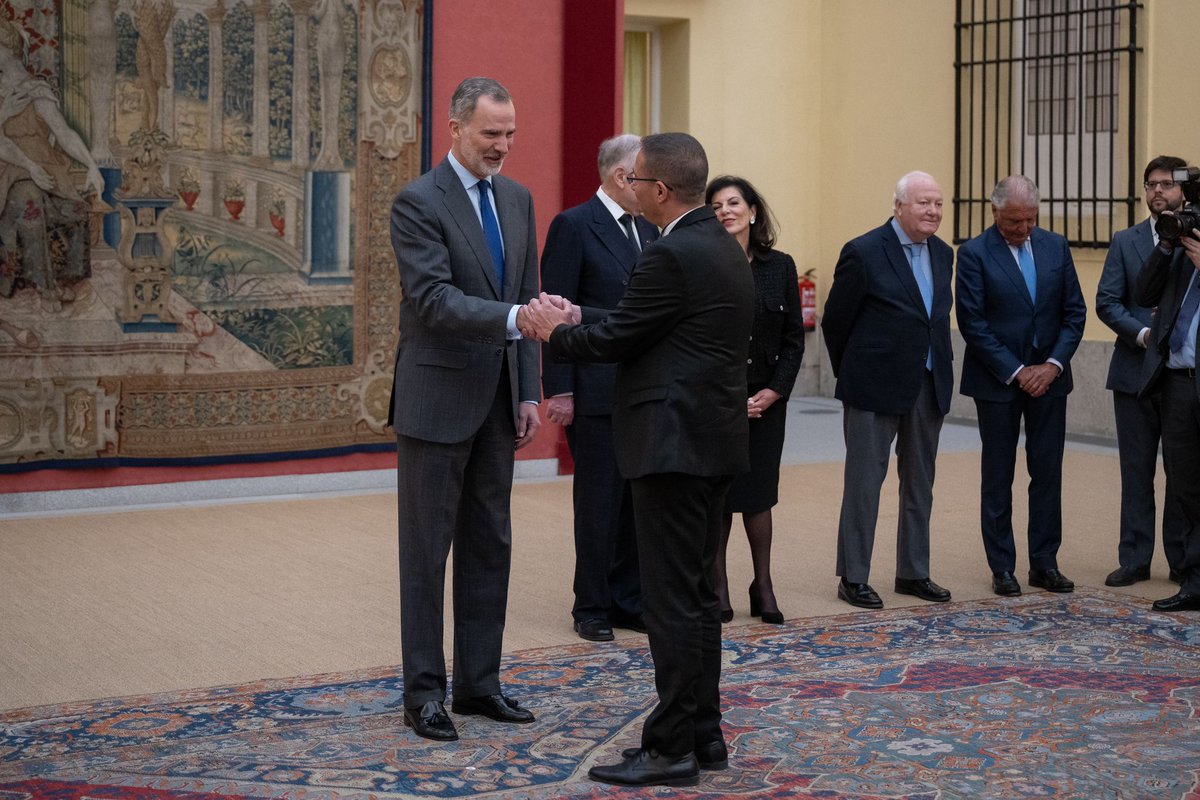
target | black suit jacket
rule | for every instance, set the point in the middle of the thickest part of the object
(877, 330)
(1162, 282)
(680, 335)
(588, 259)
(777, 341)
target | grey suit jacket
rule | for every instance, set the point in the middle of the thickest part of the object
(453, 315)
(1117, 309)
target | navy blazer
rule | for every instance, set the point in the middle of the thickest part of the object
(877, 330)
(1117, 309)
(1000, 323)
(680, 334)
(587, 259)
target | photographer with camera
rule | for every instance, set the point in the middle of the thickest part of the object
(1169, 280)
(1138, 420)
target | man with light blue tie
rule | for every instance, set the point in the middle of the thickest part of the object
(465, 397)
(886, 325)
(1021, 313)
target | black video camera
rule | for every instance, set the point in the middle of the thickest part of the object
(1173, 227)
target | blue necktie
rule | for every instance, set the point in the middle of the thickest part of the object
(1025, 260)
(925, 284)
(1183, 322)
(491, 231)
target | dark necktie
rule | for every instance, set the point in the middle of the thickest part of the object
(1183, 322)
(630, 233)
(491, 231)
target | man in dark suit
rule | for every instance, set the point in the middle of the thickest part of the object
(589, 255)
(1169, 281)
(1021, 314)
(1139, 421)
(680, 337)
(887, 328)
(465, 395)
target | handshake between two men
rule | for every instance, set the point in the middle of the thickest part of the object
(542, 314)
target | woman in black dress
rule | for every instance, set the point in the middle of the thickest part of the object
(776, 349)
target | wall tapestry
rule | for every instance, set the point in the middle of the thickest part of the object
(194, 249)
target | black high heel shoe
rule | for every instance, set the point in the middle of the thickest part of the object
(769, 617)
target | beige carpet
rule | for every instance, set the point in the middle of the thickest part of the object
(146, 601)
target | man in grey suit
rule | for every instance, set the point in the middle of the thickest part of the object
(1139, 421)
(465, 395)
(887, 329)
(680, 336)
(589, 255)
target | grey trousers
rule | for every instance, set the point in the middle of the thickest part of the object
(869, 438)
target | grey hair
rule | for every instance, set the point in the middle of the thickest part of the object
(466, 96)
(617, 151)
(901, 195)
(1015, 188)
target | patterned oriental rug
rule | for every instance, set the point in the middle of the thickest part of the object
(1087, 695)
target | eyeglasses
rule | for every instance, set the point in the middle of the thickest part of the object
(1164, 185)
(632, 177)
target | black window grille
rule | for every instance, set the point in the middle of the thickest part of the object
(1048, 89)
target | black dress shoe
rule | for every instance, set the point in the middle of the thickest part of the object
(712, 756)
(493, 706)
(636, 624)
(1051, 580)
(1005, 584)
(648, 768)
(1183, 601)
(431, 721)
(922, 588)
(858, 594)
(594, 630)
(1127, 576)
(1174, 576)
(726, 615)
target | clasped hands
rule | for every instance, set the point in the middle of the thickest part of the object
(1036, 380)
(538, 318)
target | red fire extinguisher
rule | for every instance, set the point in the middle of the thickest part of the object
(808, 300)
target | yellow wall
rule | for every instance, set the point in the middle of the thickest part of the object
(823, 104)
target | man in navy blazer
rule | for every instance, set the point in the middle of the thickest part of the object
(1138, 420)
(1021, 313)
(887, 328)
(589, 254)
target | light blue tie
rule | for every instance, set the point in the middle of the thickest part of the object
(1183, 323)
(1025, 261)
(491, 231)
(924, 277)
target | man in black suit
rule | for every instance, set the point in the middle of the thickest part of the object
(680, 336)
(465, 395)
(589, 255)
(1021, 314)
(1138, 420)
(887, 328)
(1169, 281)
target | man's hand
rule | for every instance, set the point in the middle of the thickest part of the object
(545, 313)
(528, 423)
(1191, 243)
(760, 402)
(1036, 380)
(561, 409)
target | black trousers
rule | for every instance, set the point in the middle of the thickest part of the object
(679, 533)
(607, 585)
(1045, 434)
(1181, 458)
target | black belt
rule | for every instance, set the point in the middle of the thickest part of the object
(1183, 372)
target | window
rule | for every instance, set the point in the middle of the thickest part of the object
(1046, 89)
